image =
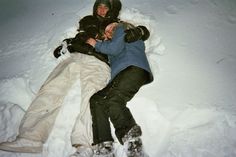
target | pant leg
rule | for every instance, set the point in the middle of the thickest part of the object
(111, 102)
(94, 75)
(38, 121)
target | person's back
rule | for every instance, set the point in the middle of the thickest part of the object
(122, 54)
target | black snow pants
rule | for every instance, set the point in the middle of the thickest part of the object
(110, 103)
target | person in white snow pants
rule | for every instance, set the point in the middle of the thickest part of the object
(39, 118)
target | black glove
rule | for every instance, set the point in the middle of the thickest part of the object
(137, 33)
(145, 32)
(57, 51)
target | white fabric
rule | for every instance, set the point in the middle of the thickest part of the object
(94, 75)
(40, 116)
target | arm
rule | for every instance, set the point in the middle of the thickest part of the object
(78, 45)
(114, 46)
(88, 50)
(68, 44)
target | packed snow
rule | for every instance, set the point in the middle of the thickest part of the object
(188, 111)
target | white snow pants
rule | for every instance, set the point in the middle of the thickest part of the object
(41, 114)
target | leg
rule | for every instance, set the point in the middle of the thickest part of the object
(39, 118)
(111, 102)
(124, 86)
(94, 75)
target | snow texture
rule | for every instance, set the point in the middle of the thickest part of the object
(188, 111)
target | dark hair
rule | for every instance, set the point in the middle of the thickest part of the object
(90, 25)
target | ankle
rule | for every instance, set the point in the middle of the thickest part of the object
(134, 132)
(104, 148)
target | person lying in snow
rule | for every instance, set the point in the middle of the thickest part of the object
(130, 70)
(40, 116)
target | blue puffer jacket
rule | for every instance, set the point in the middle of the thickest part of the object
(122, 54)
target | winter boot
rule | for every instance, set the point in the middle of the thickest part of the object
(104, 149)
(133, 143)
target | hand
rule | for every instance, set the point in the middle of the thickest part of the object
(91, 42)
(145, 32)
(132, 34)
(57, 51)
(60, 50)
(137, 33)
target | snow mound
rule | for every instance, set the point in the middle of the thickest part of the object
(17, 91)
(10, 117)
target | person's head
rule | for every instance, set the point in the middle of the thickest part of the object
(90, 25)
(109, 30)
(101, 8)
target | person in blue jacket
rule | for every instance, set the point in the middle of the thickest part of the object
(130, 70)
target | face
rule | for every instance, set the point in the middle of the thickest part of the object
(102, 10)
(110, 30)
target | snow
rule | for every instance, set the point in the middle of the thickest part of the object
(188, 111)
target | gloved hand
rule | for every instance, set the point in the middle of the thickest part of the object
(137, 33)
(60, 50)
(145, 32)
(57, 51)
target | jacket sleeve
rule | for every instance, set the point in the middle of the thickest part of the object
(88, 50)
(114, 46)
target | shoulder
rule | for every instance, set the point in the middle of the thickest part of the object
(119, 28)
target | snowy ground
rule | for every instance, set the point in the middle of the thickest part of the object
(188, 111)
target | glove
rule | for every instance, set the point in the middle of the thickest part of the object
(137, 33)
(60, 50)
(57, 51)
(145, 32)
